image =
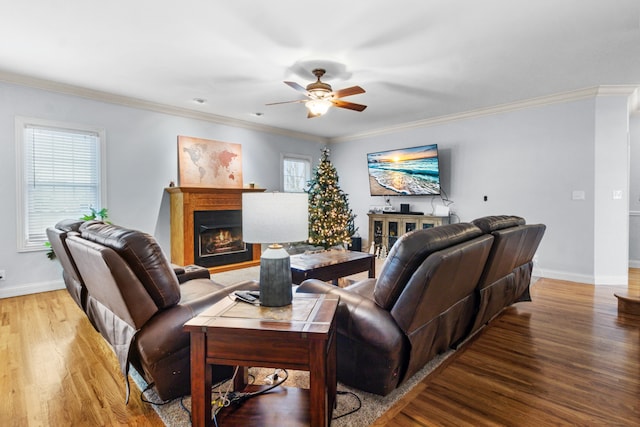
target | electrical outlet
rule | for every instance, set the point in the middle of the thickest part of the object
(2, 275)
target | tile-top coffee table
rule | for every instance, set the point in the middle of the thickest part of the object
(299, 336)
(331, 265)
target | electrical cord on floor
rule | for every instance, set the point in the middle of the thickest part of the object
(145, 400)
(352, 411)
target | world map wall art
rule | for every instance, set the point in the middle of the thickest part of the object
(209, 163)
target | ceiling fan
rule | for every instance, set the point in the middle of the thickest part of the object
(322, 97)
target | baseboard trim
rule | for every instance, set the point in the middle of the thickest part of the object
(612, 280)
(31, 288)
(583, 278)
(563, 275)
(634, 263)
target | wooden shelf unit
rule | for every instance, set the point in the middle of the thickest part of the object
(184, 201)
(385, 229)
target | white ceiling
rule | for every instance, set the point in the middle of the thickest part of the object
(416, 59)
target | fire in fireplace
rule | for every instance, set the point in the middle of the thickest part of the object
(218, 238)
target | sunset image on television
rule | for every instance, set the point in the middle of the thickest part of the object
(404, 172)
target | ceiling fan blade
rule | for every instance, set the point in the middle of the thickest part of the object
(287, 102)
(297, 87)
(348, 105)
(353, 90)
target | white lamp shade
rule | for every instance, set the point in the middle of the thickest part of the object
(275, 217)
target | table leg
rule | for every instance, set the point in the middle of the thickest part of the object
(372, 268)
(200, 381)
(241, 379)
(318, 391)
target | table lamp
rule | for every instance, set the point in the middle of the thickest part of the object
(275, 218)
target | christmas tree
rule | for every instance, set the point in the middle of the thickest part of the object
(330, 219)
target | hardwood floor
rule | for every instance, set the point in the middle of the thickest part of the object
(567, 358)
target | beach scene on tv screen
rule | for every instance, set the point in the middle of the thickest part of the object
(407, 171)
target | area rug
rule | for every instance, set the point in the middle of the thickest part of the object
(176, 413)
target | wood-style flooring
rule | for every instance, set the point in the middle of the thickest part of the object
(567, 358)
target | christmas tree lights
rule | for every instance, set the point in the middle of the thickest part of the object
(330, 218)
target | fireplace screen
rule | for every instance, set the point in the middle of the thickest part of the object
(220, 240)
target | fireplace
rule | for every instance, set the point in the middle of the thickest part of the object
(185, 235)
(218, 238)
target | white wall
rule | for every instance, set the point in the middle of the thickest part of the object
(141, 161)
(611, 220)
(527, 162)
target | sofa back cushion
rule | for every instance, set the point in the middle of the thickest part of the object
(111, 284)
(515, 244)
(438, 304)
(489, 224)
(57, 236)
(408, 253)
(143, 255)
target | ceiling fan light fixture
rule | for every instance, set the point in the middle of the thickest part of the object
(318, 107)
(319, 93)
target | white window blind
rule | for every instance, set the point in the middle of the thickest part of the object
(61, 178)
(296, 172)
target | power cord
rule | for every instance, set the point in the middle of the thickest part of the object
(145, 400)
(238, 398)
(352, 411)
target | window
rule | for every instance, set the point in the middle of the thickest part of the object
(296, 172)
(60, 176)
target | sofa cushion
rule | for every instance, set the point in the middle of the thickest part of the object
(408, 253)
(144, 256)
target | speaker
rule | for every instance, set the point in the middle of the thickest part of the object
(404, 207)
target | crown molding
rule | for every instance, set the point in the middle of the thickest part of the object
(608, 90)
(576, 95)
(111, 98)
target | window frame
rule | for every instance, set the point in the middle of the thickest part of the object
(21, 124)
(291, 156)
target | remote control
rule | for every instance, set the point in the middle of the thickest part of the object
(245, 296)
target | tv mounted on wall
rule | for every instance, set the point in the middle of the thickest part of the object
(411, 171)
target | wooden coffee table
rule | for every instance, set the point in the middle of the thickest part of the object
(301, 336)
(331, 265)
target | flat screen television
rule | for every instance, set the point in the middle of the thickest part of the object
(411, 171)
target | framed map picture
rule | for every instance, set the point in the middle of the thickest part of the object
(209, 163)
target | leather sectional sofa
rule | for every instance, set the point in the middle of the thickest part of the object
(436, 287)
(137, 300)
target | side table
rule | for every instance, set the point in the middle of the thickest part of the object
(301, 336)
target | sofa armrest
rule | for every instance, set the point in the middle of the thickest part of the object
(359, 317)
(189, 272)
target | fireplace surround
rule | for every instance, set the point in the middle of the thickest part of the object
(222, 252)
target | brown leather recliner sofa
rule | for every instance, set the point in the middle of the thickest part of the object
(57, 236)
(136, 301)
(425, 300)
